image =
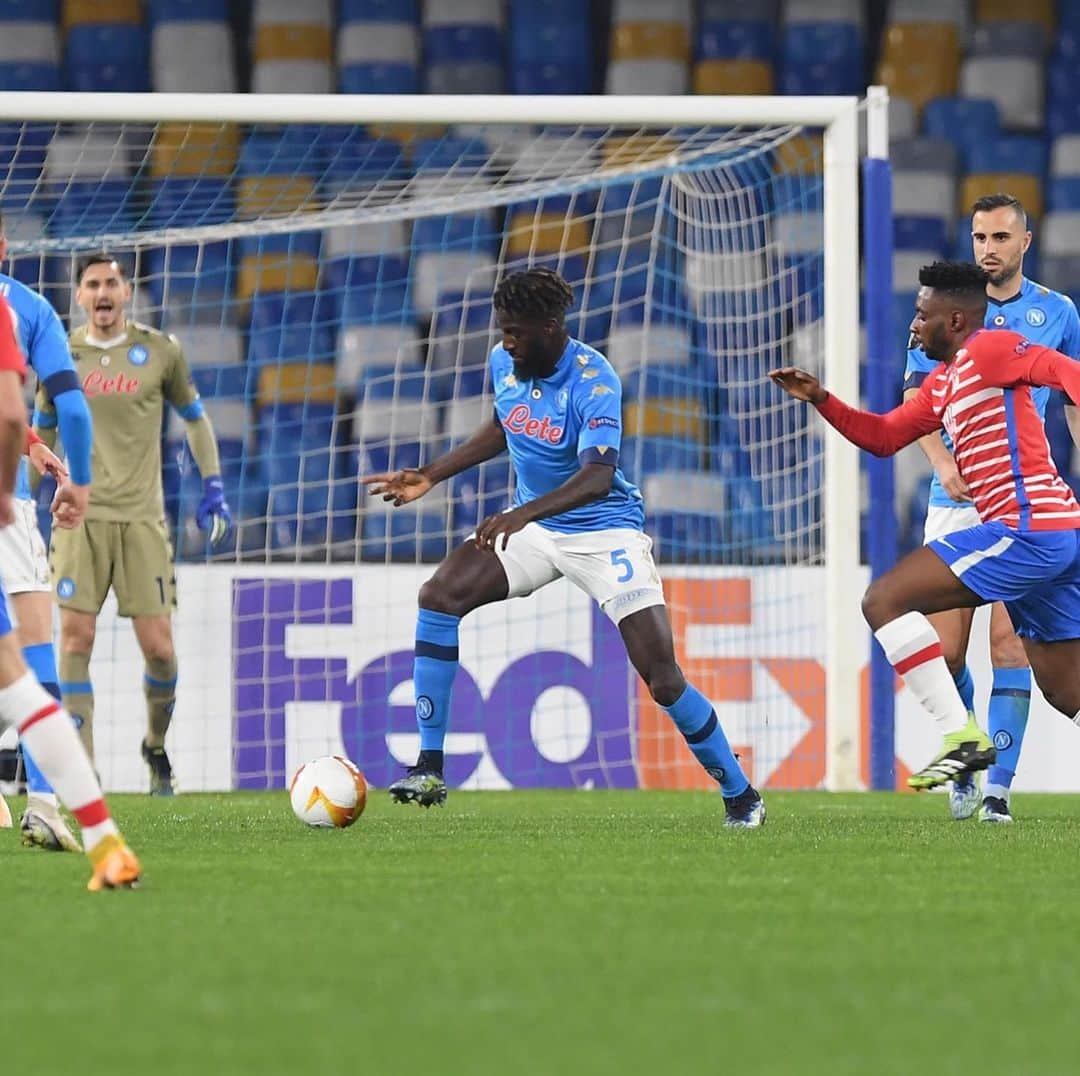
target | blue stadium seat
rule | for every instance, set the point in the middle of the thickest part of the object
(462, 44)
(736, 39)
(378, 11)
(1063, 115)
(1009, 39)
(920, 233)
(548, 31)
(386, 302)
(1063, 193)
(355, 160)
(537, 77)
(379, 78)
(88, 207)
(30, 76)
(405, 536)
(298, 244)
(925, 153)
(220, 381)
(751, 536)
(962, 120)
(667, 382)
(478, 493)
(367, 271)
(1026, 154)
(107, 57)
(184, 11)
(30, 11)
(194, 275)
(288, 152)
(457, 232)
(289, 328)
(22, 161)
(795, 193)
(642, 456)
(383, 456)
(182, 202)
(824, 57)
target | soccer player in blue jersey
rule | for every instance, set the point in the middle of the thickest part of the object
(558, 413)
(1000, 238)
(23, 559)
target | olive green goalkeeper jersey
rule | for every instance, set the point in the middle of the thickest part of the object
(127, 384)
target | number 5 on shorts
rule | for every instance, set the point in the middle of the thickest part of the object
(619, 559)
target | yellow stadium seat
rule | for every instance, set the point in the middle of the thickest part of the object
(194, 149)
(920, 61)
(292, 41)
(78, 12)
(636, 149)
(1040, 11)
(406, 134)
(1026, 188)
(261, 196)
(661, 417)
(650, 41)
(802, 155)
(545, 233)
(276, 272)
(733, 76)
(296, 382)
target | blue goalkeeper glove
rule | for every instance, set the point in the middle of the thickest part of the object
(213, 512)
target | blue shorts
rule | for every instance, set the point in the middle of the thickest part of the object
(6, 624)
(1035, 573)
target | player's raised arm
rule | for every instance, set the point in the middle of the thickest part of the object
(883, 435)
(409, 484)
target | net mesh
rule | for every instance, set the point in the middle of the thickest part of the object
(331, 289)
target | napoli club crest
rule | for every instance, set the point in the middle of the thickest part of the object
(1035, 317)
(138, 355)
(66, 588)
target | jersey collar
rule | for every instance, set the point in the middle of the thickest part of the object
(1024, 283)
(104, 345)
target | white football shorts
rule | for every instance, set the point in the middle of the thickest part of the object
(24, 560)
(614, 567)
(942, 519)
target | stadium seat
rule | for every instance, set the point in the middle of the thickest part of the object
(479, 493)
(279, 12)
(350, 11)
(412, 534)
(378, 57)
(924, 154)
(642, 456)
(182, 202)
(464, 55)
(461, 339)
(76, 13)
(1015, 84)
(1064, 193)
(465, 414)
(92, 207)
(1027, 39)
(107, 57)
(186, 56)
(633, 347)
(194, 150)
(1023, 154)
(648, 57)
(1027, 188)
(162, 11)
(289, 329)
(731, 77)
(822, 57)
(1061, 244)
(687, 512)
(920, 233)
(920, 61)
(966, 122)
(29, 54)
(369, 344)
(906, 266)
(292, 57)
(550, 47)
(738, 39)
(1038, 11)
(194, 279)
(1063, 115)
(213, 346)
(356, 163)
(953, 12)
(1065, 156)
(902, 118)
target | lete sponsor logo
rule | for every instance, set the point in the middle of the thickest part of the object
(98, 384)
(520, 420)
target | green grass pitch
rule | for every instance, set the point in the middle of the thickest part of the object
(599, 932)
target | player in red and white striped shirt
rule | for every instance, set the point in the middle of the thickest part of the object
(1026, 550)
(44, 727)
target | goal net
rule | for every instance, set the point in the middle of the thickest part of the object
(330, 284)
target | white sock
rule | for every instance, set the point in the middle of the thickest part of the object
(51, 738)
(914, 651)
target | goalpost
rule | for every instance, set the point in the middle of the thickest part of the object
(327, 263)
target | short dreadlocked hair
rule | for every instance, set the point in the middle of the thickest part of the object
(963, 281)
(534, 294)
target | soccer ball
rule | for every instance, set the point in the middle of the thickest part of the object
(328, 791)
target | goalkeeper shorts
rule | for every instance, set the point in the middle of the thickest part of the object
(614, 567)
(133, 559)
(24, 562)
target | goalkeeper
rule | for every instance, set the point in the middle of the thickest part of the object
(128, 372)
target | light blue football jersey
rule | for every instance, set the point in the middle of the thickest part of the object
(44, 343)
(1045, 317)
(555, 424)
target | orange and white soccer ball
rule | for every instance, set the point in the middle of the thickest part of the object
(328, 791)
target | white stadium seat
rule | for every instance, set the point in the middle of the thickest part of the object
(190, 57)
(463, 13)
(361, 346)
(1014, 84)
(88, 156)
(435, 272)
(924, 194)
(210, 345)
(379, 237)
(292, 76)
(648, 77)
(632, 346)
(29, 42)
(306, 12)
(378, 42)
(685, 491)
(1065, 156)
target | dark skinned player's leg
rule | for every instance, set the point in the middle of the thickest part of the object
(649, 644)
(1057, 672)
(468, 578)
(896, 607)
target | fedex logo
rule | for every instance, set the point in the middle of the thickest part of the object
(303, 651)
(520, 420)
(97, 383)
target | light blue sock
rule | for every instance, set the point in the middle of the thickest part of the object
(42, 662)
(434, 668)
(966, 686)
(696, 720)
(1010, 701)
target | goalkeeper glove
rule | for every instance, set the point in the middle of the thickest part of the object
(213, 512)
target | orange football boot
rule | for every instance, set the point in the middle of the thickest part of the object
(115, 866)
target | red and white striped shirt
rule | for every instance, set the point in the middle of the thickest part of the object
(983, 400)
